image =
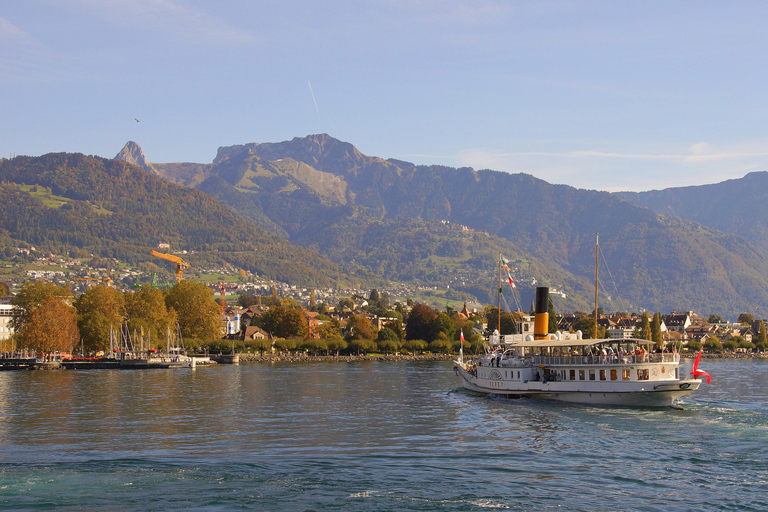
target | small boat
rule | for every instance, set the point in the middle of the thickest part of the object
(566, 367)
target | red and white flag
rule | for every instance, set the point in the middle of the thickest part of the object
(511, 282)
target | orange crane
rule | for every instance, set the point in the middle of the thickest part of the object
(180, 263)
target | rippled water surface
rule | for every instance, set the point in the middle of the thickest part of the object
(369, 436)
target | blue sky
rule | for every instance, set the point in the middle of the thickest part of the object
(599, 95)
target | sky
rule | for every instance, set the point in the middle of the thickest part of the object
(630, 95)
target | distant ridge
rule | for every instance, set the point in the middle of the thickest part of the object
(323, 193)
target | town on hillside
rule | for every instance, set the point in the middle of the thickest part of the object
(75, 309)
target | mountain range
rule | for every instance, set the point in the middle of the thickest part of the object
(696, 248)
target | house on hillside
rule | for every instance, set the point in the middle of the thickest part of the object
(253, 332)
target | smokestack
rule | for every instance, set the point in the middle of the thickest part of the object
(541, 320)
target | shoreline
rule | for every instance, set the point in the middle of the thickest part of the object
(302, 358)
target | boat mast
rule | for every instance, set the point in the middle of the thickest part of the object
(499, 299)
(597, 252)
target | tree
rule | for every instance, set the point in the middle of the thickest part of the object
(586, 325)
(359, 328)
(508, 321)
(293, 325)
(656, 336)
(746, 319)
(198, 314)
(415, 345)
(270, 319)
(762, 338)
(552, 327)
(50, 327)
(99, 309)
(245, 301)
(419, 323)
(330, 329)
(645, 330)
(442, 324)
(712, 344)
(715, 319)
(146, 309)
(31, 297)
(5, 289)
(336, 344)
(694, 345)
(441, 344)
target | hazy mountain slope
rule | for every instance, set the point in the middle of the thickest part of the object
(734, 206)
(346, 204)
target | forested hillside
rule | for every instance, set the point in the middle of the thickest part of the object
(323, 193)
(734, 206)
(71, 202)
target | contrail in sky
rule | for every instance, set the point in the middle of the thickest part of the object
(313, 99)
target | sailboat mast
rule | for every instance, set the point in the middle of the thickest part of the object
(597, 259)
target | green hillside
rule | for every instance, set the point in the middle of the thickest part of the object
(75, 203)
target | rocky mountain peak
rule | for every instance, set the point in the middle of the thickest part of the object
(133, 154)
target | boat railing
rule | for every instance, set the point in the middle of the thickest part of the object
(607, 359)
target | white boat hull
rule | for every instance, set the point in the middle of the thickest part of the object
(632, 394)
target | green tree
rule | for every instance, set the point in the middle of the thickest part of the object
(270, 319)
(146, 309)
(441, 344)
(712, 344)
(586, 325)
(415, 345)
(645, 330)
(746, 319)
(419, 323)
(442, 324)
(99, 309)
(330, 329)
(336, 344)
(656, 335)
(198, 314)
(49, 328)
(5, 289)
(762, 338)
(715, 319)
(730, 344)
(693, 345)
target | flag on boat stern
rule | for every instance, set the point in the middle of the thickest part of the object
(696, 372)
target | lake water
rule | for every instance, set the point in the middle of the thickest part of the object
(369, 436)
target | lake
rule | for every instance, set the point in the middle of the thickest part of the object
(370, 436)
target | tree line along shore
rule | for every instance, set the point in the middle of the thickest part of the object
(49, 319)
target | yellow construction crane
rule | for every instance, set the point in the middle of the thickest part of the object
(175, 259)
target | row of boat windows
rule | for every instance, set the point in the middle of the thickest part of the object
(626, 374)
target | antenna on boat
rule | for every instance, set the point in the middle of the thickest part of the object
(597, 259)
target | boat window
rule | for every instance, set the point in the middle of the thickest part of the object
(625, 374)
(581, 374)
(602, 374)
(614, 375)
(573, 375)
(591, 374)
(677, 374)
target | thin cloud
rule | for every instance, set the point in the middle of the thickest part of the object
(169, 16)
(12, 34)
